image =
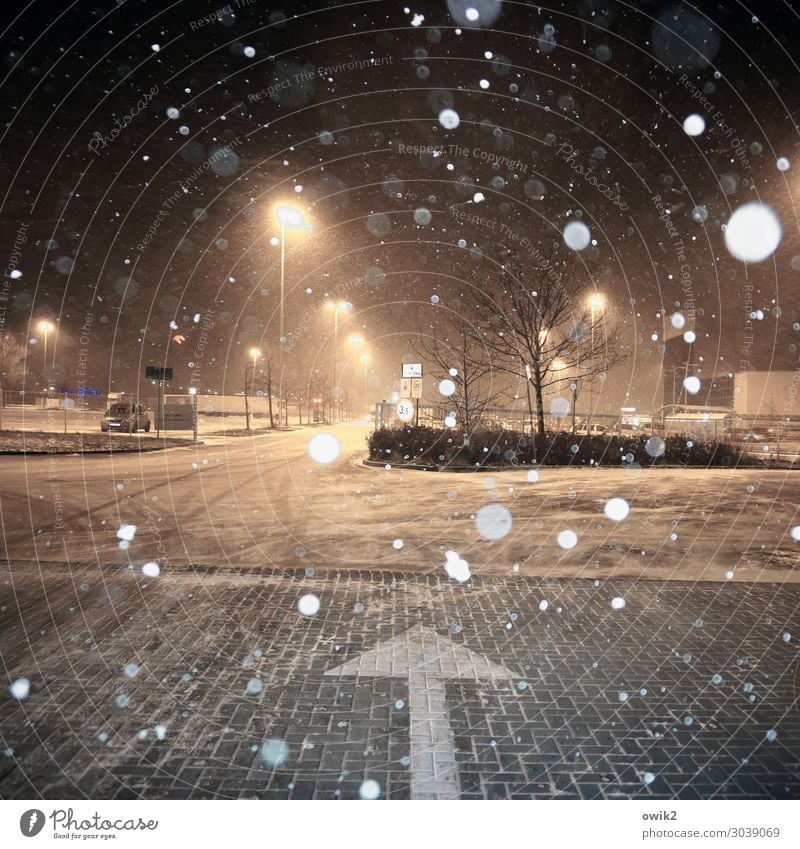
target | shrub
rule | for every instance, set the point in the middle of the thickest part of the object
(453, 448)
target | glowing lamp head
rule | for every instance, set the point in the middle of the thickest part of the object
(289, 217)
(255, 353)
(45, 326)
(597, 302)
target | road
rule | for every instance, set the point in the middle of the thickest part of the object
(526, 682)
(263, 501)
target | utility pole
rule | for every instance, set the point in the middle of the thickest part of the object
(246, 400)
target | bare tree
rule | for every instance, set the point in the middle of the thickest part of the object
(12, 363)
(545, 326)
(458, 349)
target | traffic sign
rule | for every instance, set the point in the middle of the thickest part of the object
(405, 410)
(157, 373)
(411, 387)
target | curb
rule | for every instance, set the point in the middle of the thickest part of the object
(426, 468)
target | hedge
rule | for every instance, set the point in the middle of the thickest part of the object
(427, 446)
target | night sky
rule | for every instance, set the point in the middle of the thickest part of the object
(146, 145)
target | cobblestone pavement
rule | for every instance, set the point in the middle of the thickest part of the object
(595, 698)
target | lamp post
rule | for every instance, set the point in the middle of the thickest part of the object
(255, 354)
(365, 360)
(596, 302)
(336, 306)
(288, 216)
(355, 340)
(44, 328)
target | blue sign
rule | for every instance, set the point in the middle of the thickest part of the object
(94, 392)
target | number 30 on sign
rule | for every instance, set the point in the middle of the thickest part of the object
(405, 411)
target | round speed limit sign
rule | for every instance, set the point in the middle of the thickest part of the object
(405, 411)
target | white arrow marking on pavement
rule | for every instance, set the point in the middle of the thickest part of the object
(427, 660)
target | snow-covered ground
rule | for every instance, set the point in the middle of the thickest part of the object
(27, 418)
(265, 501)
(37, 442)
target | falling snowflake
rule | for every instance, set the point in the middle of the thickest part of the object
(567, 539)
(456, 567)
(753, 232)
(308, 605)
(694, 125)
(369, 789)
(324, 448)
(274, 752)
(616, 509)
(493, 521)
(577, 235)
(126, 532)
(20, 689)
(449, 119)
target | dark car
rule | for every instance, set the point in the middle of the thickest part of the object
(127, 418)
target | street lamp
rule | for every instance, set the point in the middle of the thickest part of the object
(255, 354)
(365, 360)
(45, 327)
(291, 217)
(355, 341)
(336, 306)
(597, 302)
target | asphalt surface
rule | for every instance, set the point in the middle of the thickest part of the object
(263, 501)
(513, 676)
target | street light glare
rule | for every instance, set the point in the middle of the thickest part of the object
(355, 339)
(45, 326)
(339, 305)
(254, 352)
(597, 302)
(289, 216)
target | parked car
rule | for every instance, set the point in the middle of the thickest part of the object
(126, 417)
(591, 430)
(759, 434)
(752, 436)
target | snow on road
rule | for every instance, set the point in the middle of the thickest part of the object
(267, 502)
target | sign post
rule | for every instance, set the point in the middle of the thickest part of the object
(159, 374)
(193, 393)
(411, 385)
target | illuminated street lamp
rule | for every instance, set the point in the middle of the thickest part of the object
(355, 341)
(365, 360)
(255, 354)
(44, 327)
(336, 306)
(289, 217)
(597, 303)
